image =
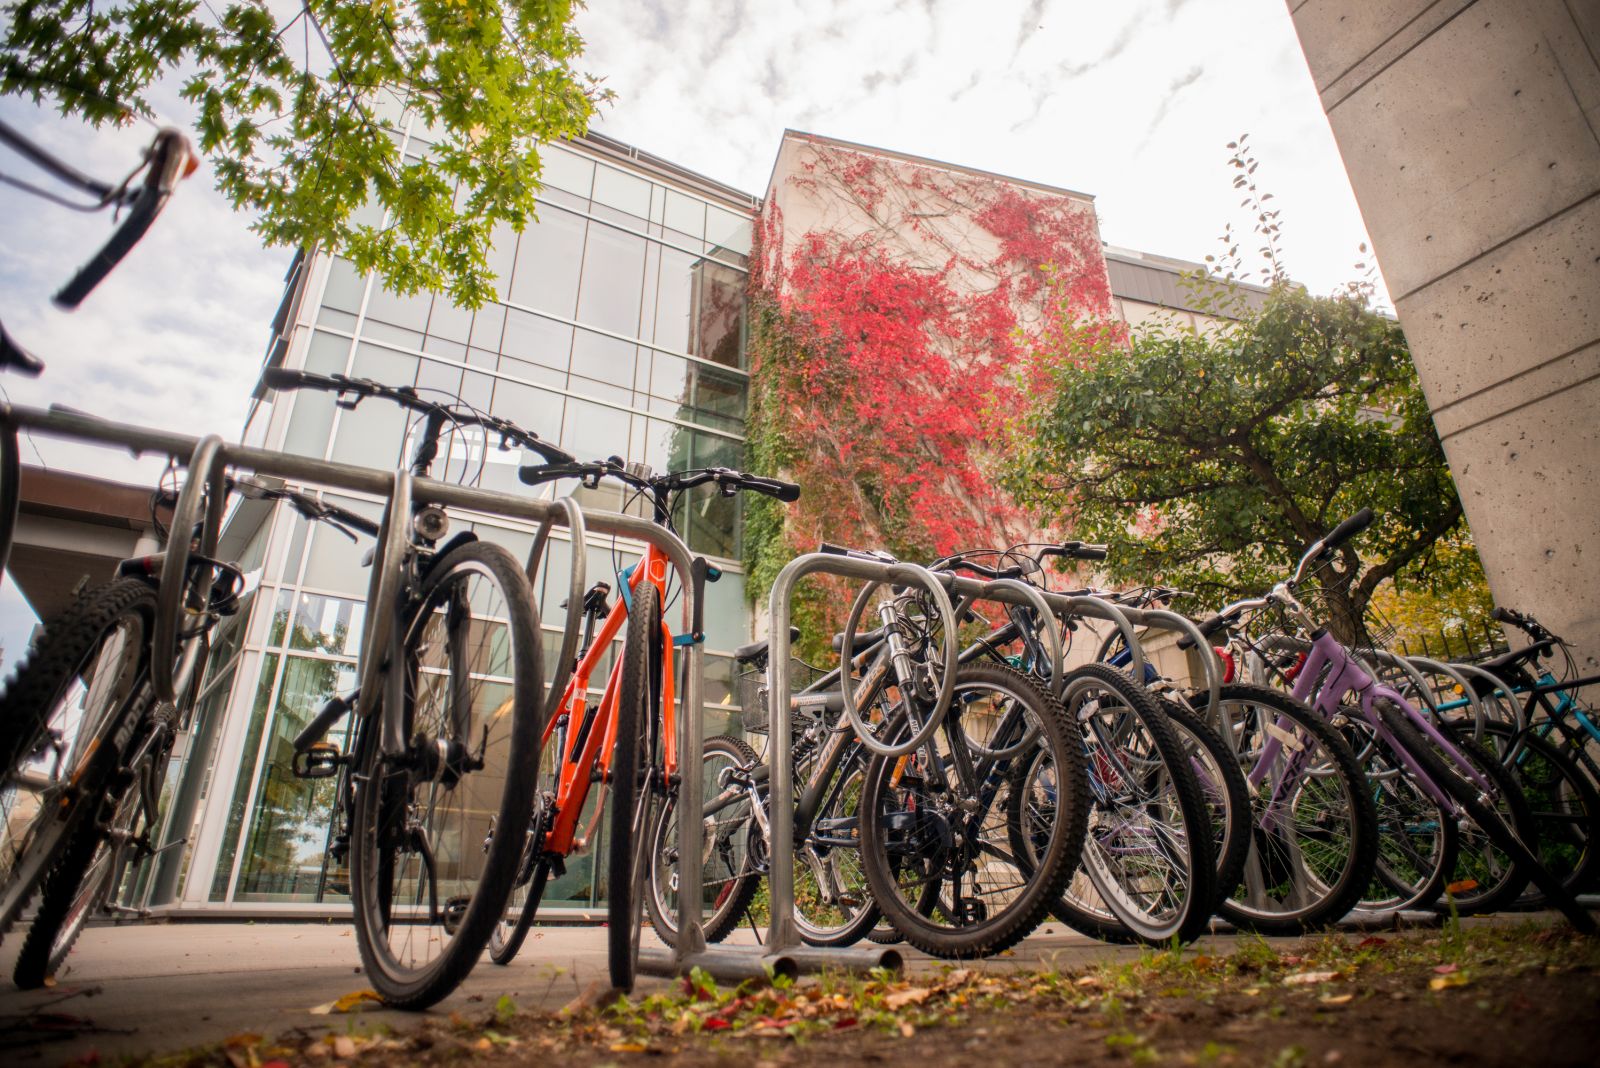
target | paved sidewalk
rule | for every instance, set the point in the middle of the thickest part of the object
(160, 987)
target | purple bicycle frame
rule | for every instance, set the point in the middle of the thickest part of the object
(1339, 674)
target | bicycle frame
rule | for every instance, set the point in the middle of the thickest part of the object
(589, 747)
(1330, 672)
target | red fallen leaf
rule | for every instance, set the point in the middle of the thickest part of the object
(845, 1023)
(716, 1023)
(1462, 886)
(1287, 959)
(1446, 969)
(1371, 942)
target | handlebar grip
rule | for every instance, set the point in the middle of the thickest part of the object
(787, 492)
(1348, 529)
(1208, 626)
(168, 155)
(1505, 615)
(1092, 552)
(836, 550)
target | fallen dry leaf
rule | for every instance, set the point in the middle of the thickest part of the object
(1336, 999)
(906, 1030)
(1444, 982)
(344, 1047)
(1307, 978)
(356, 999)
(913, 996)
(1446, 969)
(628, 1047)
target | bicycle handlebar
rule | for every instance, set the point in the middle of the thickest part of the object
(283, 378)
(727, 479)
(169, 159)
(1075, 550)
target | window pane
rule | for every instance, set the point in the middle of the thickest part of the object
(594, 430)
(674, 300)
(549, 248)
(613, 280)
(719, 311)
(345, 286)
(449, 321)
(529, 407)
(487, 325)
(327, 624)
(247, 769)
(626, 192)
(537, 339)
(605, 359)
(727, 230)
(717, 398)
(566, 170)
(685, 213)
(410, 313)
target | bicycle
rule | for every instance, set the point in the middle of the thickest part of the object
(1144, 876)
(628, 741)
(1464, 782)
(99, 798)
(446, 725)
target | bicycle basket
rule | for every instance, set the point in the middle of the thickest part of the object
(751, 689)
(1359, 630)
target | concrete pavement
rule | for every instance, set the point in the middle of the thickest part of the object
(158, 987)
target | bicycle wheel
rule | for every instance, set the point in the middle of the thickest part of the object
(431, 875)
(1495, 879)
(1565, 804)
(1418, 840)
(638, 780)
(1146, 875)
(1224, 791)
(938, 829)
(1466, 794)
(731, 849)
(833, 904)
(1314, 835)
(59, 716)
(527, 891)
(86, 877)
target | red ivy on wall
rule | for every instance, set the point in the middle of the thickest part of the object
(887, 349)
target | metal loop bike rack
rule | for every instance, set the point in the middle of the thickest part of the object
(900, 575)
(203, 465)
(577, 584)
(1480, 713)
(400, 492)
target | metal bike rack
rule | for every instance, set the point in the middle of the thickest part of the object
(783, 947)
(210, 458)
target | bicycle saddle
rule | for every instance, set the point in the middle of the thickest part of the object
(759, 648)
(1518, 657)
(14, 357)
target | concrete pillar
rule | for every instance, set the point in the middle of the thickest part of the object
(1471, 133)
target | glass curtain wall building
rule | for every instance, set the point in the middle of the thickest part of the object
(619, 329)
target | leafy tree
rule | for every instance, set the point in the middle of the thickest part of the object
(1211, 458)
(288, 111)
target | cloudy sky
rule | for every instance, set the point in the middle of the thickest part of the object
(1131, 101)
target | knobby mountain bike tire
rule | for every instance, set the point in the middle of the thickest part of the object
(430, 869)
(638, 779)
(730, 878)
(1565, 804)
(83, 879)
(1145, 877)
(908, 845)
(1324, 859)
(1466, 795)
(100, 643)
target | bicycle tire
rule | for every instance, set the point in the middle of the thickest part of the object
(88, 871)
(1121, 918)
(111, 621)
(1500, 883)
(1339, 885)
(1464, 793)
(533, 871)
(385, 840)
(1227, 795)
(734, 893)
(636, 781)
(1565, 804)
(867, 920)
(967, 931)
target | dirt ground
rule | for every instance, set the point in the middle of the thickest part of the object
(1490, 996)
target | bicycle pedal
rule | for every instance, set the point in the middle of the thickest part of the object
(455, 910)
(321, 760)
